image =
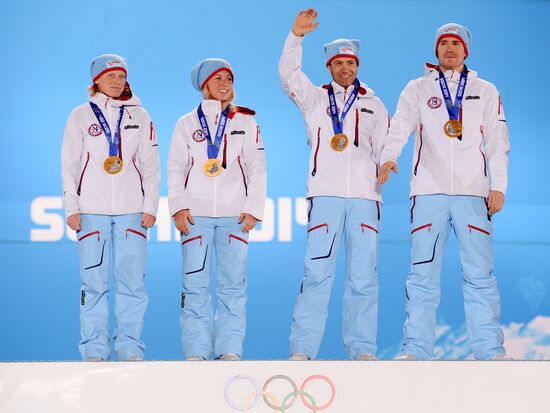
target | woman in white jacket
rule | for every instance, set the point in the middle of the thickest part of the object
(216, 192)
(111, 173)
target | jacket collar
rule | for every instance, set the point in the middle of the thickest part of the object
(103, 101)
(211, 108)
(452, 76)
(364, 91)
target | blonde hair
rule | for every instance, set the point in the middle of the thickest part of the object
(93, 90)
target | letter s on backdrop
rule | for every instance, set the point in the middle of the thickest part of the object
(53, 220)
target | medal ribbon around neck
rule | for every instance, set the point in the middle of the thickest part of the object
(213, 146)
(338, 124)
(113, 143)
(454, 110)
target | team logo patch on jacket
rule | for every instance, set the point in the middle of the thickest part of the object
(198, 136)
(95, 130)
(434, 102)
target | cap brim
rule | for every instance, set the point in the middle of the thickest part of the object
(454, 36)
(111, 69)
(214, 73)
(343, 56)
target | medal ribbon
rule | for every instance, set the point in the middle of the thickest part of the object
(213, 147)
(338, 124)
(113, 144)
(453, 110)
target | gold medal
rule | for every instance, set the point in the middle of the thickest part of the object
(339, 142)
(112, 165)
(212, 167)
(453, 128)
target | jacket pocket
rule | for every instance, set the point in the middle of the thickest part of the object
(419, 152)
(242, 173)
(189, 172)
(83, 172)
(482, 153)
(314, 171)
(139, 175)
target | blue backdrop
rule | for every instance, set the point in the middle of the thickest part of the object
(46, 51)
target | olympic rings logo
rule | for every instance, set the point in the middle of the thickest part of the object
(272, 401)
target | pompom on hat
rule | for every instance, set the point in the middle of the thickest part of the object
(107, 63)
(342, 48)
(456, 31)
(205, 70)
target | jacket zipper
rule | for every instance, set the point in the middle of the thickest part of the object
(419, 152)
(482, 154)
(242, 172)
(82, 175)
(139, 174)
(189, 172)
(356, 143)
(224, 162)
(316, 152)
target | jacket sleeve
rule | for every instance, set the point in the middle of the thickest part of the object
(178, 167)
(495, 131)
(71, 159)
(255, 171)
(295, 83)
(403, 123)
(150, 166)
(382, 124)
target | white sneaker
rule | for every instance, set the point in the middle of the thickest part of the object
(135, 358)
(366, 357)
(195, 358)
(94, 359)
(501, 357)
(406, 357)
(230, 357)
(299, 357)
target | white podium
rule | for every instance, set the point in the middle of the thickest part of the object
(327, 386)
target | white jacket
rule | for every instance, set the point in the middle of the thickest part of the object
(442, 165)
(87, 188)
(241, 186)
(353, 172)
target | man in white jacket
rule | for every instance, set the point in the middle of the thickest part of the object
(346, 126)
(458, 181)
(111, 175)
